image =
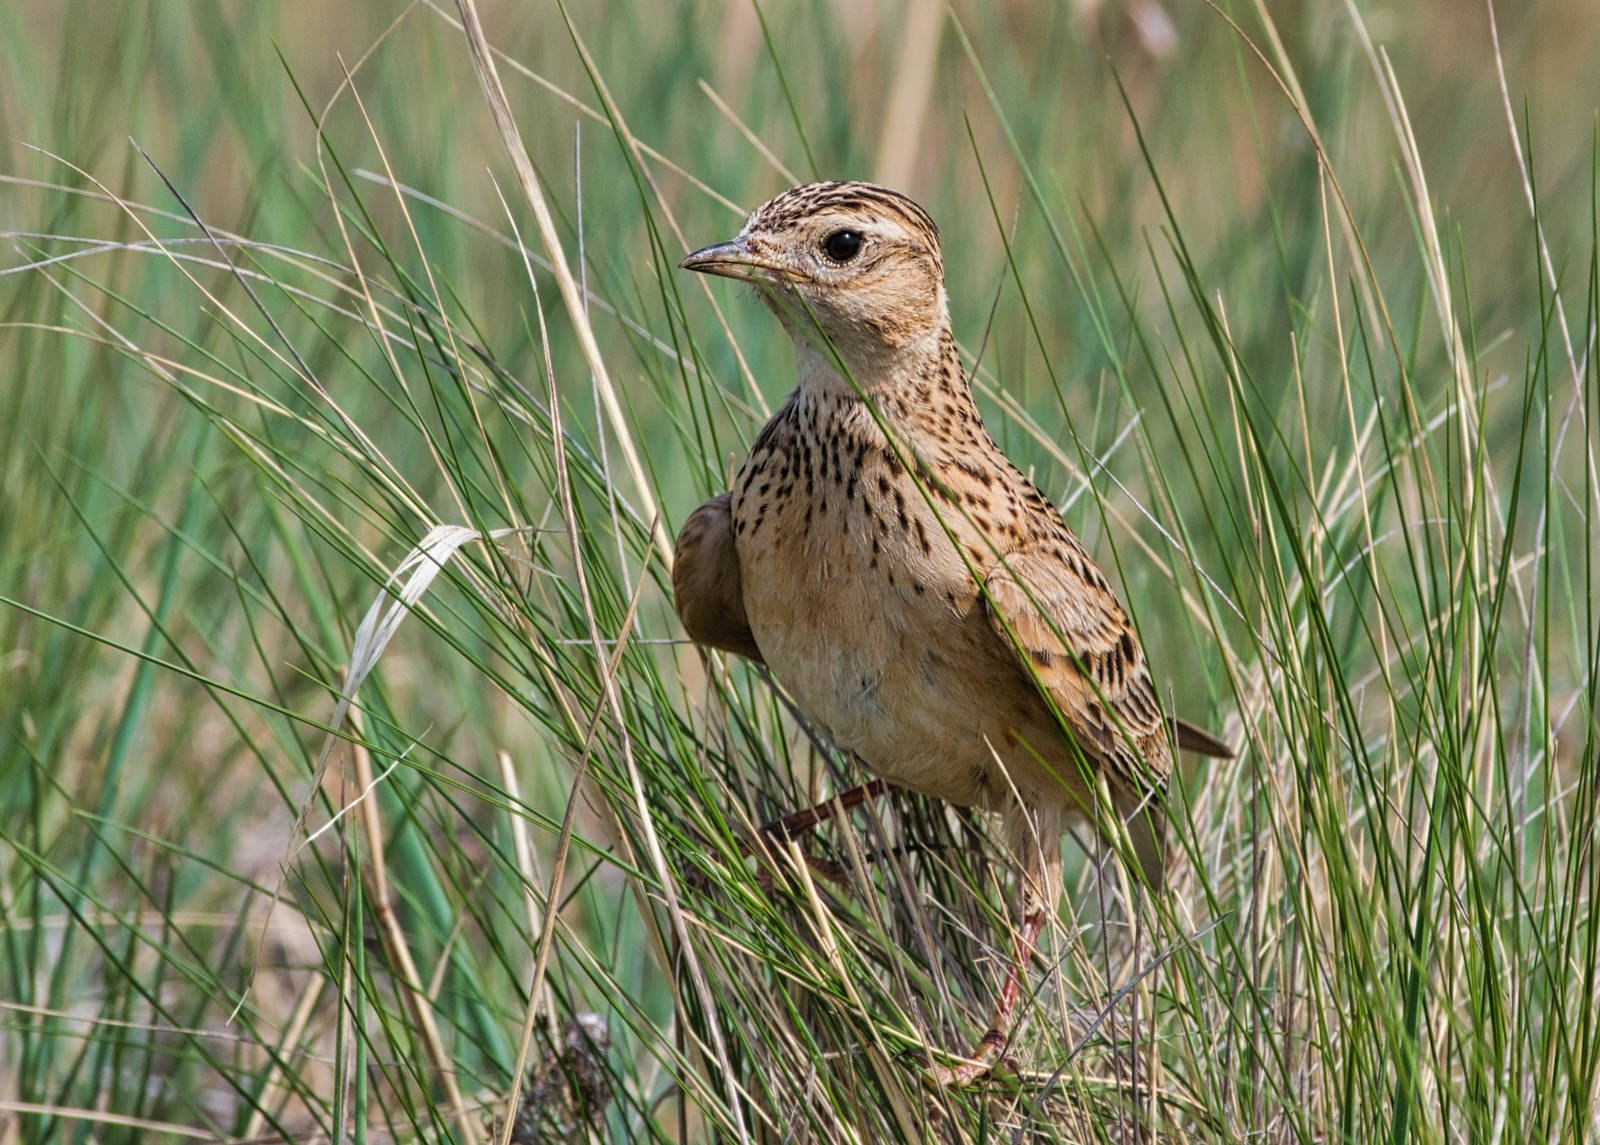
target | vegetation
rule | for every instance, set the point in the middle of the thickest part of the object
(308, 390)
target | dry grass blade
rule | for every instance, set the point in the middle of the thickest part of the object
(613, 703)
(571, 294)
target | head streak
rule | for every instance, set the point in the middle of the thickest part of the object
(867, 199)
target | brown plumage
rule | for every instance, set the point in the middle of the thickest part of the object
(917, 595)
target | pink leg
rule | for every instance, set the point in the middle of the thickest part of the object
(1035, 835)
(993, 1043)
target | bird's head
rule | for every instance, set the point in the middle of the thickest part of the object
(849, 268)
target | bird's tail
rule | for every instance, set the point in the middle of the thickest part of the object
(1199, 741)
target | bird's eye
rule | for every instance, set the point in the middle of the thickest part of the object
(842, 246)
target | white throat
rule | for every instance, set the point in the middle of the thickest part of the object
(837, 370)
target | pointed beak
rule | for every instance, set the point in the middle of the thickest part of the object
(734, 259)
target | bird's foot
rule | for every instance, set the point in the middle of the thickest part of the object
(986, 1057)
(986, 1061)
(990, 1050)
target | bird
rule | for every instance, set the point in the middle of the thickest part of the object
(916, 595)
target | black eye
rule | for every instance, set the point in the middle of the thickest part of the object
(842, 246)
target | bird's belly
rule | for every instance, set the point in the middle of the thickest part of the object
(895, 661)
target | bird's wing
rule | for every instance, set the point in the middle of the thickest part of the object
(706, 585)
(1053, 608)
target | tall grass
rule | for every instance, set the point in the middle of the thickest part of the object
(357, 779)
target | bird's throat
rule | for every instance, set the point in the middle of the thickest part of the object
(920, 394)
(864, 368)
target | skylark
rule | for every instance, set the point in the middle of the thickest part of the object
(916, 594)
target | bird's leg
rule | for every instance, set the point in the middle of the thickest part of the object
(797, 823)
(1036, 842)
(987, 1052)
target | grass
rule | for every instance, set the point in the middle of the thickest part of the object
(1293, 313)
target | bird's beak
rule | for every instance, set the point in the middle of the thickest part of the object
(734, 259)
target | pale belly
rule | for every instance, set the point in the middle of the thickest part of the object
(911, 679)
